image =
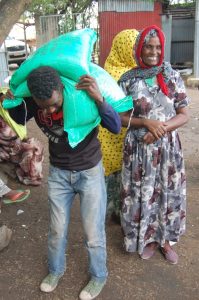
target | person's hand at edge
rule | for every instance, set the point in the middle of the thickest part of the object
(89, 84)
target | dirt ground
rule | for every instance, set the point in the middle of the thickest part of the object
(24, 264)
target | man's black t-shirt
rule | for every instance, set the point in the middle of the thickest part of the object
(86, 154)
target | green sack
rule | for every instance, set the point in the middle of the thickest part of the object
(69, 54)
(110, 89)
(80, 113)
(20, 92)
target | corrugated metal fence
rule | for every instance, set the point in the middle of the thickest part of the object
(125, 5)
(182, 44)
(117, 15)
(52, 26)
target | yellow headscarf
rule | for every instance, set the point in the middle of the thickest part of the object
(19, 129)
(119, 61)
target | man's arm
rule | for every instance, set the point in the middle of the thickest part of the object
(21, 114)
(110, 118)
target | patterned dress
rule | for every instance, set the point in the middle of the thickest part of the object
(153, 176)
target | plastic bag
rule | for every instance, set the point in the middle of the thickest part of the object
(80, 112)
(21, 91)
(110, 90)
(69, 54)
(81, 115)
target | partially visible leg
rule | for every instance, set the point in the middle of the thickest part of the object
(4, 189)
(61, 195)
(15, 196)
(93, 209)
(8, 195)
(5, 236)
(113, 186)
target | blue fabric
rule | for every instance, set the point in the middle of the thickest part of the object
(63, 186)
(109, 118)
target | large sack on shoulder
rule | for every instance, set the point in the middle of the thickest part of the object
(110, 90)
(80, 112)
(69, 54)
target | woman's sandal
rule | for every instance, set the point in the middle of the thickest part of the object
(149, 250)
(170, 255)
(15, 196)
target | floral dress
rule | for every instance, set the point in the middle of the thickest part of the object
(153, 176)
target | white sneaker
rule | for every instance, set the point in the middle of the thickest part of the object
(92, 290)
(49, 283)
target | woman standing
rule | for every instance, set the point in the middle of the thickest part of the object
(153, 175)
(118, 62)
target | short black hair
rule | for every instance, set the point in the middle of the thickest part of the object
(43, 81)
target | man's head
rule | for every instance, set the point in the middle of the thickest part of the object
(46, 88)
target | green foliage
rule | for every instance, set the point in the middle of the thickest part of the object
(179, 3)
(186, 4)
(46, 7)
(73, 14)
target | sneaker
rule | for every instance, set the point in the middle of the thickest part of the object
(49, 283)
(91, 290)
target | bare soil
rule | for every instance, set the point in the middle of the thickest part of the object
(24, 263)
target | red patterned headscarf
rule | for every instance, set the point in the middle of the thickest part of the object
(141, 41)
(162, 70)
(138, 49)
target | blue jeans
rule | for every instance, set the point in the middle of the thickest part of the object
(63, 185)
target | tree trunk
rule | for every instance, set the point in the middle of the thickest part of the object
(10, 12)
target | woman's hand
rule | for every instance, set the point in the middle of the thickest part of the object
(149, 138)
(89, 84)
(157, 128)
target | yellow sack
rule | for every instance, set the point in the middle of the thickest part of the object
(19, 129)
(119, 61)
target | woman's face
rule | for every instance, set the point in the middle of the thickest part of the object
(151, 52)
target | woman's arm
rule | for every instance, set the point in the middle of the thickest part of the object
(157, 128)
(181, 118)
